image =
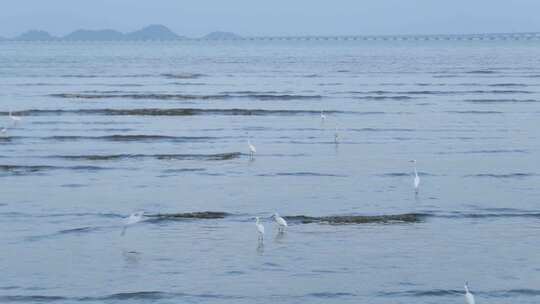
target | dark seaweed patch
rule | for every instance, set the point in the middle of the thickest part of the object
(358, 219)
(189, 215)
(106, 157)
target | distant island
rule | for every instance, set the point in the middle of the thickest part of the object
(154, 32)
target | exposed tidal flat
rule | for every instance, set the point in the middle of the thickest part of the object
(108, 129)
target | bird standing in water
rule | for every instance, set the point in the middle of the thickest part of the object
(282, 223)
(469, 297)
(13, 118)
(323, 117)
(416, 181)
(252, 149)
(132, 219)
(260, 229)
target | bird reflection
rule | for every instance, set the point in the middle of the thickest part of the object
(131, 257)
(260, 248)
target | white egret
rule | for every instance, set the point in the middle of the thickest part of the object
(132, 219)
(469, 298)
(15, 119)
(416, 178)
(252, 149)
(323, 117)
(282, 223)
(260, 229)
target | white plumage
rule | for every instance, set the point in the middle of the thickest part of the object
(282, 223)
(252, 149)
(13, 118)
(416, 178)
(469, 297)
(323, 117)
(132, 219)
(260, 228)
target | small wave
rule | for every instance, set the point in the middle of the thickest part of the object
(403, 174)
(399, 97)
(486, 215)
(508, 85)
(358, 219)
(105, 76)
(454, 292)
(78, 230)
(180, 112)
(433, 92)
(301, 174)
(105, 157)
(31, 299)
(159, 96)
(182, 170)
(511, 100)
(474, 112)
(130, 138)
(183, 75)
(481, 72)
(29, 169)
(504, 175)
(330, 295)
(495, 151)
(422, 293)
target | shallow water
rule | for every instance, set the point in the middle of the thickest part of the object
(111, 128)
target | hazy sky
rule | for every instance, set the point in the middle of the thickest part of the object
(273, 17)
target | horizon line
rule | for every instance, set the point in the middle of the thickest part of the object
(276, 36)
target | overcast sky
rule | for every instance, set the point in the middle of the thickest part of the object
(274, 17)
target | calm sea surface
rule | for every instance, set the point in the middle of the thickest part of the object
(112, 128)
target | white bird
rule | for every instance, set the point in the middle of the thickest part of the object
(260, 229)
(323, 117)
(252, 149)
(416, 178)
(282, 223)
(15, 119)
(132, 219)
(3, 130)
(469, 298)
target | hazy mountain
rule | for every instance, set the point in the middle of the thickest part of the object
(94, 35)
(35, 35)
(152, 32)
(222, 36)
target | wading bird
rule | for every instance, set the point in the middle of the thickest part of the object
(416, 178)
(469, 298)
(13, 118)
(282, 223)
(133, 218)
(323, 117)
(252, 149)
(260, 229)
